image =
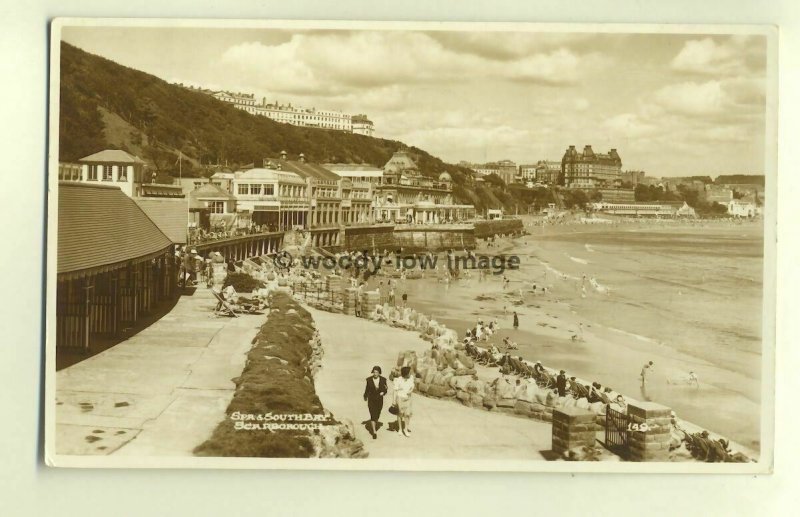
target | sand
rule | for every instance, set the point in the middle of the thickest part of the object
(687, 297)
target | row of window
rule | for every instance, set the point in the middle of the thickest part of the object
(267, 189)
(106, 172)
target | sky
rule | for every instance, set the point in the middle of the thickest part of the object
(671, 104)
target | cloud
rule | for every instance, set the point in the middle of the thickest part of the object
(479, 143)
(731, 56)
(580, 104)
(631, 125)
(693, 99)
(723, 99)
(338, 63)
(507, 46)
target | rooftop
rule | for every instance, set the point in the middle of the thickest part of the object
(100, 226)
(269, 174)
(308, 170)
(112, 155)
(210, 191)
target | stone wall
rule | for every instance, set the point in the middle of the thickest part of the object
(370, 238)
(443, 237)
(573, 428)
(486, 229)
(422, 238)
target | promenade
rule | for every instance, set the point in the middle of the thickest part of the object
(161, 392)
(441, 429)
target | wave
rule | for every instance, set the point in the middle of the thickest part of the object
(600, 288)
(556, 272)
(578, 260)
(638, 337)
(589, 248)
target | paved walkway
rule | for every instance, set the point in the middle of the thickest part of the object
(441, 428)
(159, 393)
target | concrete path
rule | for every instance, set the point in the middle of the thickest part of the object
(440, 428)
(161, 392)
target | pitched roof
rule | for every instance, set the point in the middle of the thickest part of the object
(399, 161)
(270, 174)
(308, 170)
(339, 168)
(169, 214)
(211, 191)
(99, 226)
(112, 155)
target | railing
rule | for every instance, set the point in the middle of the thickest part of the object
(208, 237)
(616, 432)
(317, 292)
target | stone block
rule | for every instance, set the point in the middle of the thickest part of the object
(475, 400)
(522, 407)
(648, 410)
(572, 415)
(506, 403)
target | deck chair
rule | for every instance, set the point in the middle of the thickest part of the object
(223, 308)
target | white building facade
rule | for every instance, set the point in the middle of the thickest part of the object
(298, 115)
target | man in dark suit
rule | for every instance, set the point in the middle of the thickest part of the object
(561, 383)
(374, 391)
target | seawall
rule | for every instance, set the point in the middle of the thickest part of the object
(415, 238)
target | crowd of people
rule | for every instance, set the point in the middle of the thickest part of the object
(222, 231)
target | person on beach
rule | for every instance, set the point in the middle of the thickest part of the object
(359, 290)
(403, 387)
(374, 391)
(561, 384)
(647, 369)
(516, 320)
(404, 298)
(693, 379)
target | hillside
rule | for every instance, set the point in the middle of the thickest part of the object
(107, 105)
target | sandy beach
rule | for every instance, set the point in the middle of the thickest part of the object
(687, 297)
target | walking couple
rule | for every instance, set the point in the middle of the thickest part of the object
(377, 387)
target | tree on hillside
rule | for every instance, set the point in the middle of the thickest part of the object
(494, 180)
(575, 198)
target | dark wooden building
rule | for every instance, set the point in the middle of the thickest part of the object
(114, 264)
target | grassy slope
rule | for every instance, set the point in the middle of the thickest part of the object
(107, 105)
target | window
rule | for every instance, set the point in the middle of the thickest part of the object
(93, 172)
(217, 207)
(269, 190)
(122, 175)
(244, 188)
(255, 189)
(107, 172)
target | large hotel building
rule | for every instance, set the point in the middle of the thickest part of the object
(298, 116)
(588, 169)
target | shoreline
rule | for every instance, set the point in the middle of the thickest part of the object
(610, 354)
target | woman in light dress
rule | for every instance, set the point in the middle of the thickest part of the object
(403, 387)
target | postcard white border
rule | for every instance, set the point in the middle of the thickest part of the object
(765, 463)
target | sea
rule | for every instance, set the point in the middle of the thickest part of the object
(689, 298)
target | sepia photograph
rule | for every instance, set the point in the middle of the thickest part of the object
(411, 246)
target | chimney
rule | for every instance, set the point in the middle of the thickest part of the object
(283, 155)
(302, 158)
